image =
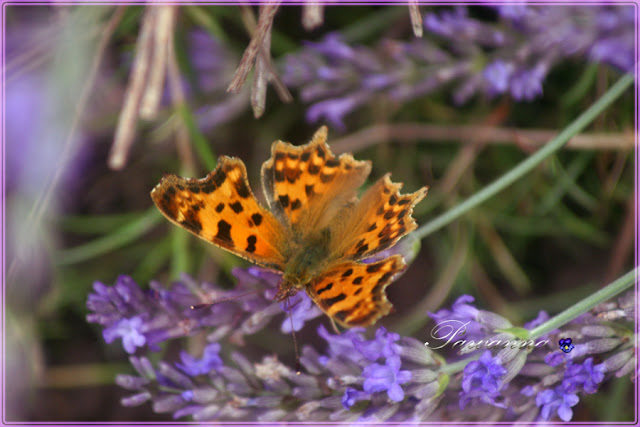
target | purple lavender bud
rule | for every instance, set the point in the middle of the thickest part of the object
(481, 379)
(615, 51)
(136, 399)
(618, 360)
(210, 361)
(598, 331)
(382, 346)
(556, 400)
(597, 346)
(334, 110)
(130, 330)
(131, 382)
(351, 396)
(333, 47)
(555, 358)
(497, 75)
(387, 377)
(585, 376)
(302, 309)
(342, 345)
(527, 84)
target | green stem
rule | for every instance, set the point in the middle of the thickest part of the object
(585, 305)
(124, 235)
(531, 162)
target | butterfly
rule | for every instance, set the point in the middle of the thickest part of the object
(316, 231)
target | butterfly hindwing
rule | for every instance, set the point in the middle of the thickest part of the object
(353, 294)
(221, 209)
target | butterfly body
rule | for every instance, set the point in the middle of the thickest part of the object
(308, 262)
(316, 230)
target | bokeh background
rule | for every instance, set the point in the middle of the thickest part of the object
(452, 102)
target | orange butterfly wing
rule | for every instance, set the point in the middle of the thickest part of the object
(377, 221)
(222, 210)
(353, 293)
(306, 185)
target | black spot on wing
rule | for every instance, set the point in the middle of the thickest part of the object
(208, 187)
(385, 240)
(358, 280)
(341, 315)
(382, 280)
(362, 249)
(348, 273)
(224, 231)
(191, 222)
(324, 289)
(236, 207)
(284, 200)
(383, 246)
(314, 169)
(166, 203)
(220, 207)
(372, 268)
(327, 177)
(308, 189)
(257, 219)
(218, 177)
(251, 244)
(296, 204)
(242, 189)
(334, 300)
(305, 156)
(377, 289)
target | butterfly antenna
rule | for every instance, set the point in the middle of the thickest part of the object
(295, 342)
(209, 304)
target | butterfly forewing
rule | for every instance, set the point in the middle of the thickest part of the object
(222, 209)
(307, 185)
(376, 222)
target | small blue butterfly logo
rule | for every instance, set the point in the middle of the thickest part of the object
(565, 345)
